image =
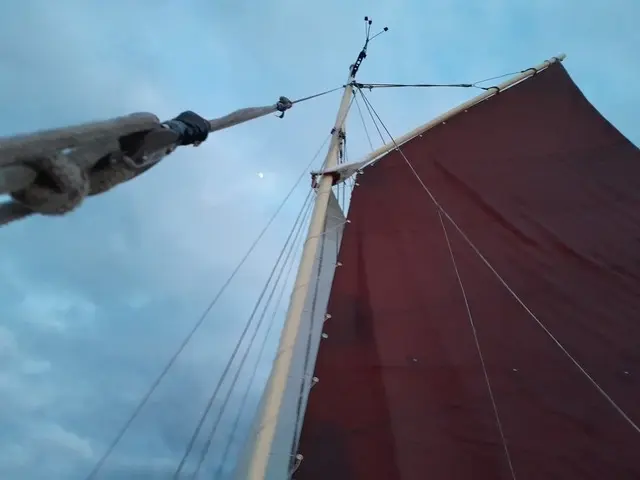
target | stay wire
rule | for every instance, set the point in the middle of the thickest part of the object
(307, 356)
(375, 123)
(364, 124)
(515, 296)
(289, 260)
(227, 368)
(341, 186)
(100, 463)
(304, 99)
(371, 86)
(288, 242)
(414, 85)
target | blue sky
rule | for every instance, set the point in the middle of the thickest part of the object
(93, 304)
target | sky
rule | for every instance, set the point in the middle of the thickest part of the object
(92, 305)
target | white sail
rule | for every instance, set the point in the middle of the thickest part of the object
(300, 380)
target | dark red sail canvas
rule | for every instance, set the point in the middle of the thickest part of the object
(549, 192)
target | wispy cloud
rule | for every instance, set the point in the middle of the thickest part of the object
(92, 305)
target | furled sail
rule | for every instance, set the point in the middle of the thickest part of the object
(301, 380)
(547, 192)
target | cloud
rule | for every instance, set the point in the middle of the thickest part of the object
(92, 305)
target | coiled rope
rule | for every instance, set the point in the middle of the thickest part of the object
(52, 173)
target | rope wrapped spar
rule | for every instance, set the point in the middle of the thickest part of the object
(52, 172)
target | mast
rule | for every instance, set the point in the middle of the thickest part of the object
(268, 419)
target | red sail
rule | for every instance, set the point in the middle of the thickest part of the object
(549, 192)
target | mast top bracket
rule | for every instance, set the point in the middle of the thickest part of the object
(363, 53)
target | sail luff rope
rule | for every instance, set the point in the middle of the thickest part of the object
(289, 242)
(99, 464)
(290, 260)
(586, 374)
(341, 186)
(485, 371)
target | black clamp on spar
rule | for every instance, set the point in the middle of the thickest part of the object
(283, 105)
(147, 148)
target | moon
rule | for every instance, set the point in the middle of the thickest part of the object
(260, 175)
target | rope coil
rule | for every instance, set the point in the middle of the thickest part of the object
(51, 173)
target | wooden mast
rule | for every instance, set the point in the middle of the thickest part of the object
(282, 364)
(269, 415)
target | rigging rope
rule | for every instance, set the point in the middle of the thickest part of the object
(364, 124)
(43, 175)
(290, 260)
(371, 86)
(375, 123)
(504, 283)
(304, 99)
(227, 368)
(99, 464)
(472, 324)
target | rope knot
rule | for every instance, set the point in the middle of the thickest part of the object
(60, 187)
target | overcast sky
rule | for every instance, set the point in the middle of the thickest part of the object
(92, 305)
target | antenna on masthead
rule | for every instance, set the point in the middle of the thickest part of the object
(363, 53)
